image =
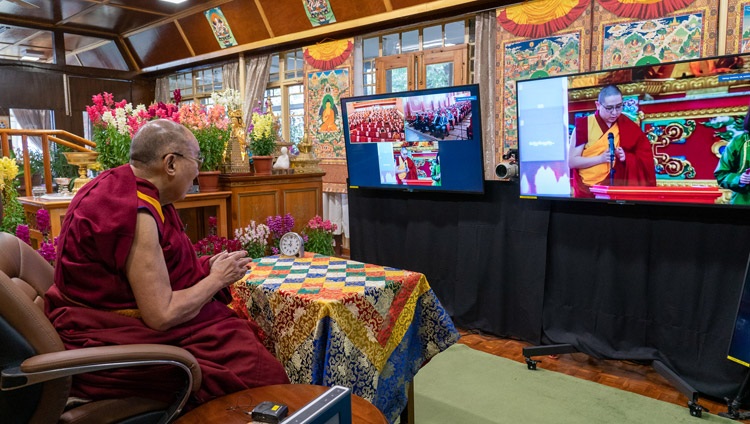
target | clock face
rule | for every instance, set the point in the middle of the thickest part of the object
(291, 244)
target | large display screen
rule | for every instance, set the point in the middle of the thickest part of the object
(423, 140)
(667, 133)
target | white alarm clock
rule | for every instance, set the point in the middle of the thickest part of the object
(291, 244)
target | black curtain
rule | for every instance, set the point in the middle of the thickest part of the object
(483, 255)
(638, 282)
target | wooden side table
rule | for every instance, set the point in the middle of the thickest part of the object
(236, 407)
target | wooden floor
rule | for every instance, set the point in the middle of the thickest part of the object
(636, 378)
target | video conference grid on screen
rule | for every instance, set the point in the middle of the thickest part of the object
(689, 111)
(416, 140)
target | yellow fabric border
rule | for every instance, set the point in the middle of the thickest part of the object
(155, 203)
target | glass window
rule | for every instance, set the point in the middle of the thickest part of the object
(439, 75)
(391, 44)
(396, 80)
(294, 64)
(432, 37)
(370, 47)
(454, 33)
(296, 120)
(274, 73)
(410, 41)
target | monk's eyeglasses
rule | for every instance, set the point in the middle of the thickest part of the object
(610, 108)
(199, 160)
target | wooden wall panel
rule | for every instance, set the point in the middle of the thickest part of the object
(23, 89)
(158, 45)
(243, 19)
(285, 16)
(400, 4)
(347, 10)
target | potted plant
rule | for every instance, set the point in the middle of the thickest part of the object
(319, 234)
(254, 239)
(263, 134)
(210, 126)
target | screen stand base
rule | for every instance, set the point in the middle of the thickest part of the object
(734, 405)
(675, 380)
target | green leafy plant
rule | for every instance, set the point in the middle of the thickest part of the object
(13, 214)
(254, 239)
(210, 126)
(319, 234)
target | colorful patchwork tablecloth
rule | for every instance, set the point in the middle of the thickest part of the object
(335, 321)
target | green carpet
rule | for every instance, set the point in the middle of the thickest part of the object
(463, 385)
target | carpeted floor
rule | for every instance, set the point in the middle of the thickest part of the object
(462, 385)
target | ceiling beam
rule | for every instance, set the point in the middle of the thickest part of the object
(325, 31)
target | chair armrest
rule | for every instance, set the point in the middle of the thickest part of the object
(50, 366)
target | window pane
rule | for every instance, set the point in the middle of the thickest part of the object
(472, 30)
(370, 47)
(410, 41)
(432, 37)
(395, 80)
(296, 113)
(274, 71)
(218, 79)
(439, 75)
(454, 33)
(390, 44)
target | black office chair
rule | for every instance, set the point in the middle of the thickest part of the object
(37, 370)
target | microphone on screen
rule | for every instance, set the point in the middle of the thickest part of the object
(611, 138)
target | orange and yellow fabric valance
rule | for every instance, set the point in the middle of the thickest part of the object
(327, 56)
(643, 9)
(537, 19)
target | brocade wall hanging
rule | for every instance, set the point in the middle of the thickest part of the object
(518, 57)
(327, 79)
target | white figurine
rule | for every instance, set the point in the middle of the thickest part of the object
(283, 161)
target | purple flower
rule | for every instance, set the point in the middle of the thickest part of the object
(47, 250)
(22, 232)
(43, 221)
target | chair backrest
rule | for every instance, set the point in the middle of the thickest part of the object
(25, 331)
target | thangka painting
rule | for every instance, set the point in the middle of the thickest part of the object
(319, 12)
(324, 90)
(625, 40)
(535, 39)
(555, 55)
(653, 41)
(220, 27)
(738, 26)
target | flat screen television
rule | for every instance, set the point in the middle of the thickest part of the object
(689, 112)
(422, 140)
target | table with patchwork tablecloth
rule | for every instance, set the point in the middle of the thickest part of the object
(337, 321)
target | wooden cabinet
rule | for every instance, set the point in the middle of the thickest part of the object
(254, 198)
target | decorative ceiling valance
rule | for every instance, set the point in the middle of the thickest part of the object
(537, 19)
(329, 55)
(643, 9)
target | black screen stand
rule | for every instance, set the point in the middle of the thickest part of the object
(733, 405)
(675, 380)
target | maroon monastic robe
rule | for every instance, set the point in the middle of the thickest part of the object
(638, 168)
(92, 304)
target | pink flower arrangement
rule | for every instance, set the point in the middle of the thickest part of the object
(319, 234)
(213, 244)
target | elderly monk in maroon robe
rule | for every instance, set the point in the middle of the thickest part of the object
(590, 158)
(127, 273)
